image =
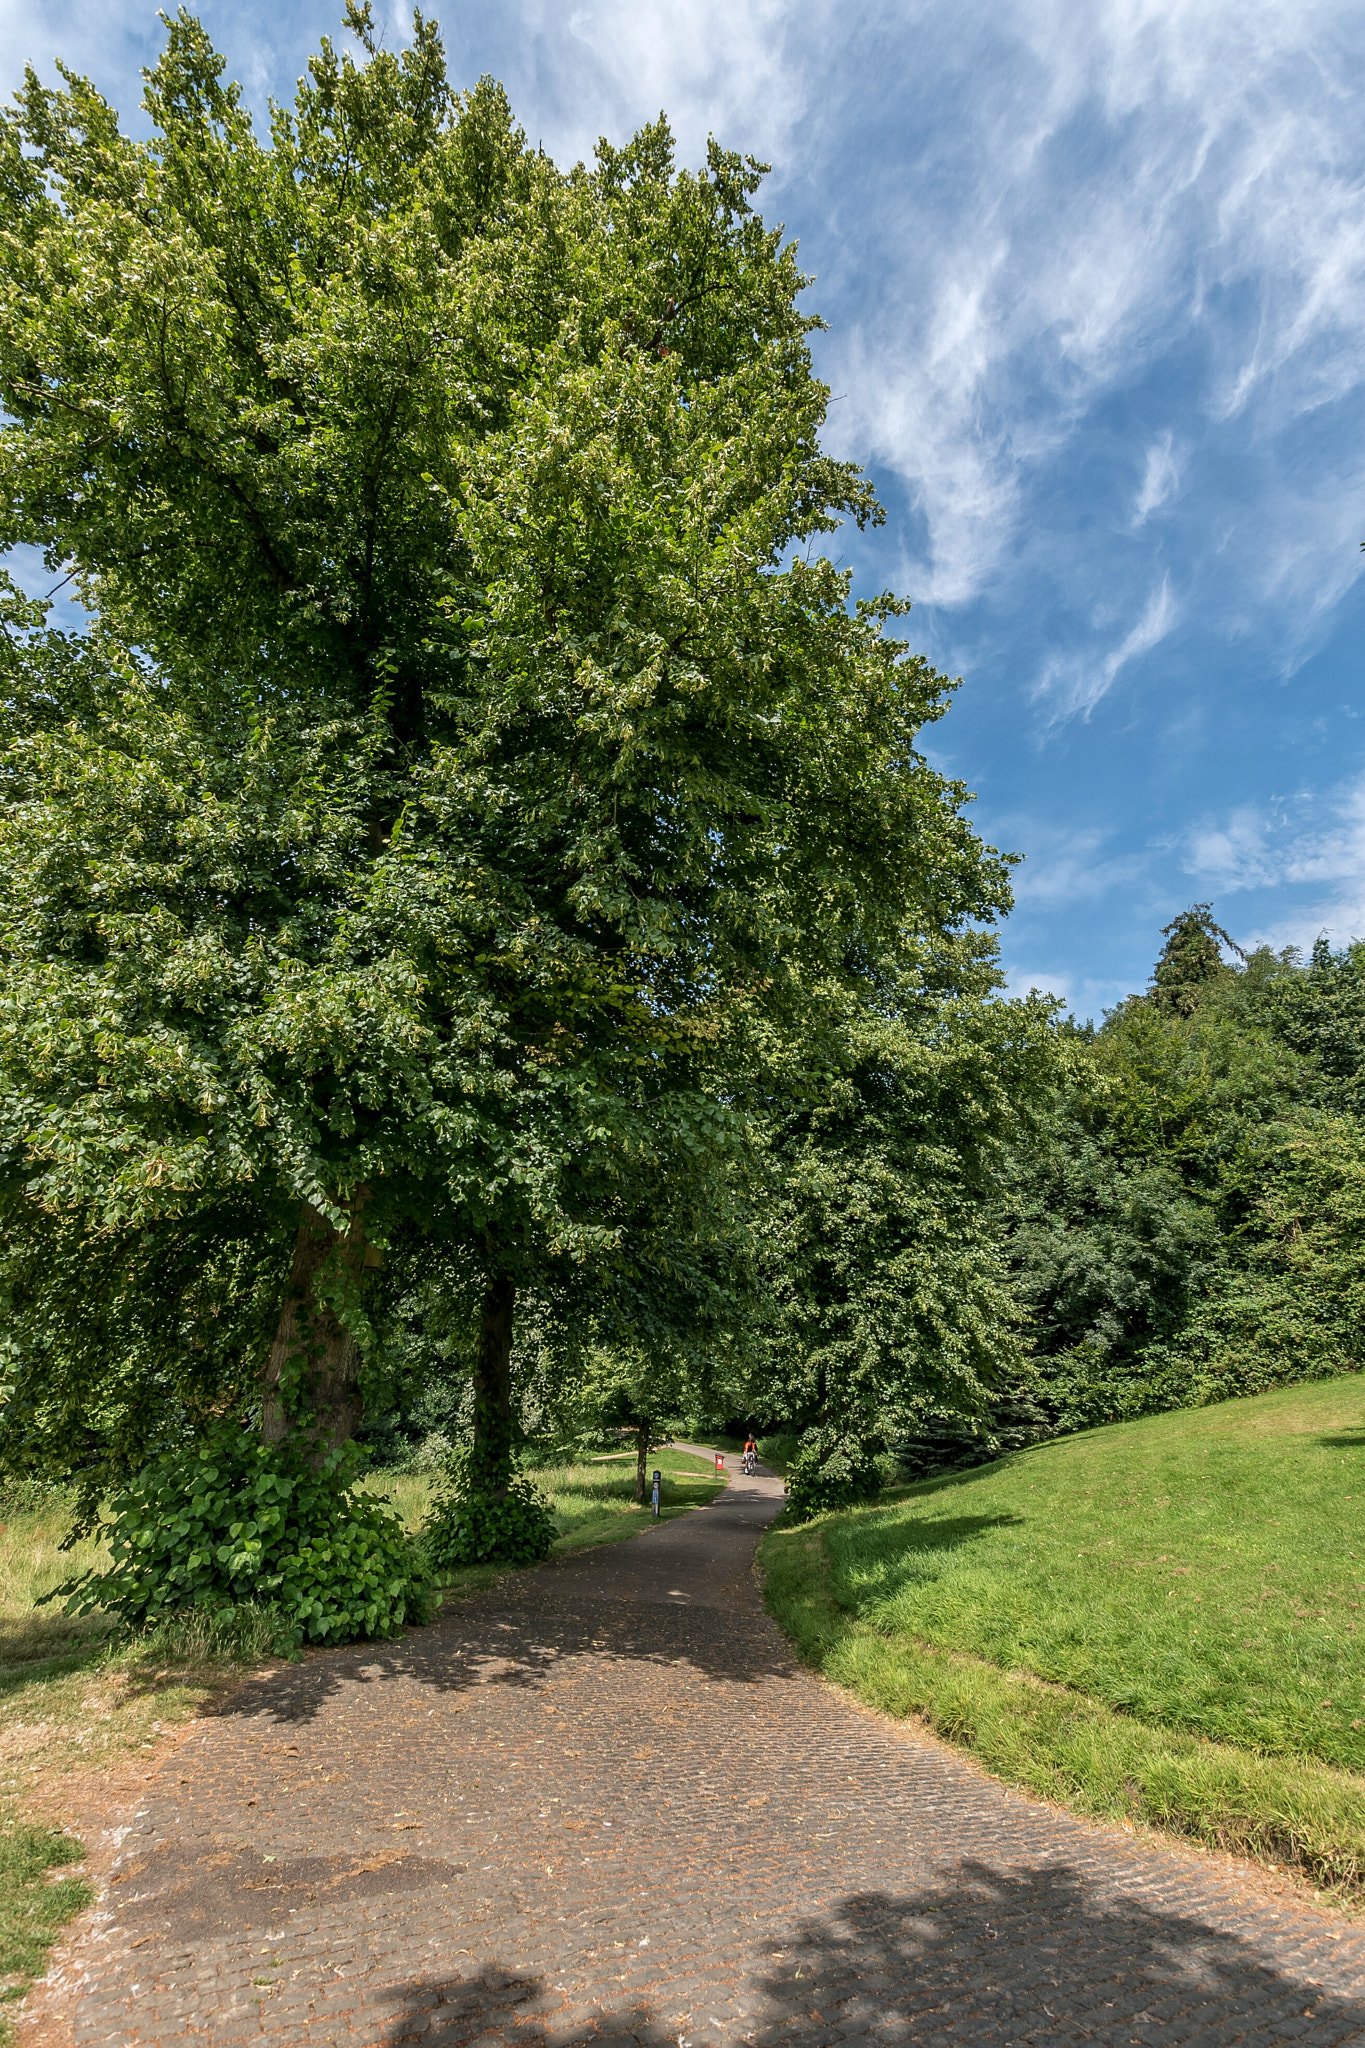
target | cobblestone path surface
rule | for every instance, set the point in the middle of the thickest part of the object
(600, 1803)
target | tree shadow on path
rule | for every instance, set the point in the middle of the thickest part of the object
(691, 1600)
(487, 1642)
(987, 1956)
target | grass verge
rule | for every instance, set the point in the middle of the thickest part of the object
(1151, 1623)
(1300, 1815)
(33, 1907)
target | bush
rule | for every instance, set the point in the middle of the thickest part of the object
(232, 1520)
(433, 1453)
(823, 1475)
(475, 1521)
(429, 1453)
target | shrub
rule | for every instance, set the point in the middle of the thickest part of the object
(473, 1520)
(433, 1453)
(823, 1475)
(232, 1520)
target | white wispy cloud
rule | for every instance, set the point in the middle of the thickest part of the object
(1074, 874)
(1024, 212)
(1024, 981)
(715, 66)
(1307, 850)
(1160, 479)
(1132, 179)
(1235, 854)
(1068, 865)
(1075, 683)
(1081, 995)
(107, 43)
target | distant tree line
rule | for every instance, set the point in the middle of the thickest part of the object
(1187, 1223)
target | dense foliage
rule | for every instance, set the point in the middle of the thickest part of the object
(1190, 1222)
(476, 818)
(484, 952)
(884, 1286)
(232, 1520)
(471, 1523)
(462, 891)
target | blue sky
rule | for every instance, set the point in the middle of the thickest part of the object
(1095, 282)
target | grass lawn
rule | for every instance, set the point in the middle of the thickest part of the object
(592, 1501)
(1159, 1620)
(595, 1502)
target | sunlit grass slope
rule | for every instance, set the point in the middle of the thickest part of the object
(1196, 1569)
(1159, 1619)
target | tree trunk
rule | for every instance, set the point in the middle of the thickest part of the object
(493, 1431)
(641, 1460)
(327, 1400)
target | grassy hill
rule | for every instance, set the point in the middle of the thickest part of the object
(1161, 1620)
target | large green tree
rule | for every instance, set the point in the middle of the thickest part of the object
(885, 1287)
(466, 732)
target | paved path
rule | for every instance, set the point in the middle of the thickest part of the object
(600, 1803)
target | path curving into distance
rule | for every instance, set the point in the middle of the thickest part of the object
(602, 1803)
